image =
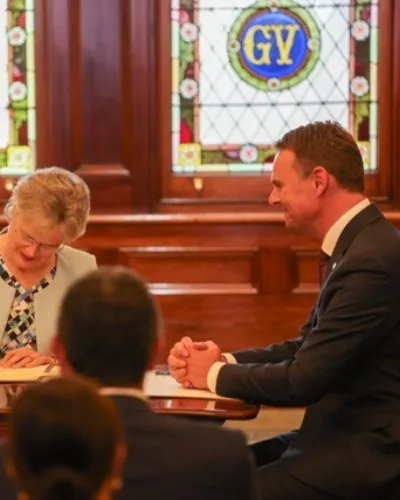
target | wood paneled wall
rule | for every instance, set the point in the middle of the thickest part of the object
(218, 272)
(239, 279)
(94, 102)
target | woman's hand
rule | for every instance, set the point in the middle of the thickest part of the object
(25, 357)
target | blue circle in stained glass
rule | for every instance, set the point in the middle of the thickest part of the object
(274, 44)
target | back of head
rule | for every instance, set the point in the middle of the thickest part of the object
(60, 196)
(329, 145)
(108, 327)
(61, 484)
(63, 441)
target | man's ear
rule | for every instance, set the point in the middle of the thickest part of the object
(321, 179)
(56, 347)
(58, 350)
(118, 465)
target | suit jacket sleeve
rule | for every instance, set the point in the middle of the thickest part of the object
(354, 315)
(275, 353)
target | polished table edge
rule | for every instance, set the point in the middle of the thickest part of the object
(214, 409)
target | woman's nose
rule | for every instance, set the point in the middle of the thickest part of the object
(31, 250)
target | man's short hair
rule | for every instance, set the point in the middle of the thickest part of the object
(108, 326)
(329, 145)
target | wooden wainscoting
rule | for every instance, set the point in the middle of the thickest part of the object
(240, 279)
(198, 270)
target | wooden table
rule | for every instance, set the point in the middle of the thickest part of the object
(200, 409)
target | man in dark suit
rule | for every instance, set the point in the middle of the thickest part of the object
(345, 364)
(108, 330)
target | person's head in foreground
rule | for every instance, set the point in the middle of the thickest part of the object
(318, 175)
(108, 328)
(65, 442)
(47, 209)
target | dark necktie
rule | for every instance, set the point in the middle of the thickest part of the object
(323, 266)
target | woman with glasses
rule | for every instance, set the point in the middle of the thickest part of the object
(47, 211)
(65, 443)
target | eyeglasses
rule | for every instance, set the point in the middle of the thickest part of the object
(28, 241)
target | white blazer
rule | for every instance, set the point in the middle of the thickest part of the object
(71, 265)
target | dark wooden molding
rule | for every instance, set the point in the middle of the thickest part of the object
(111, 169)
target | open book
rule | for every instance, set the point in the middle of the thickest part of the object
(155, 385)
(28, 374)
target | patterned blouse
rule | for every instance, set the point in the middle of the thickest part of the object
(20, 328)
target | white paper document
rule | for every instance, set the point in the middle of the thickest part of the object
(164, 386)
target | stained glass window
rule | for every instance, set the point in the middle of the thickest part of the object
(244, 72)
(17, 87)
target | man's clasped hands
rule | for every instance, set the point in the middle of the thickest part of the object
(189, 362)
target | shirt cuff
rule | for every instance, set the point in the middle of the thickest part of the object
(230, 358)
(212, 376)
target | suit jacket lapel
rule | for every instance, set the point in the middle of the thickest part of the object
(7, 294)
(47, 304)
(367, 216)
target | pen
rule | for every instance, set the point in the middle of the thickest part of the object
(162, 372)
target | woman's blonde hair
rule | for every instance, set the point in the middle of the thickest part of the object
(61, 196)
